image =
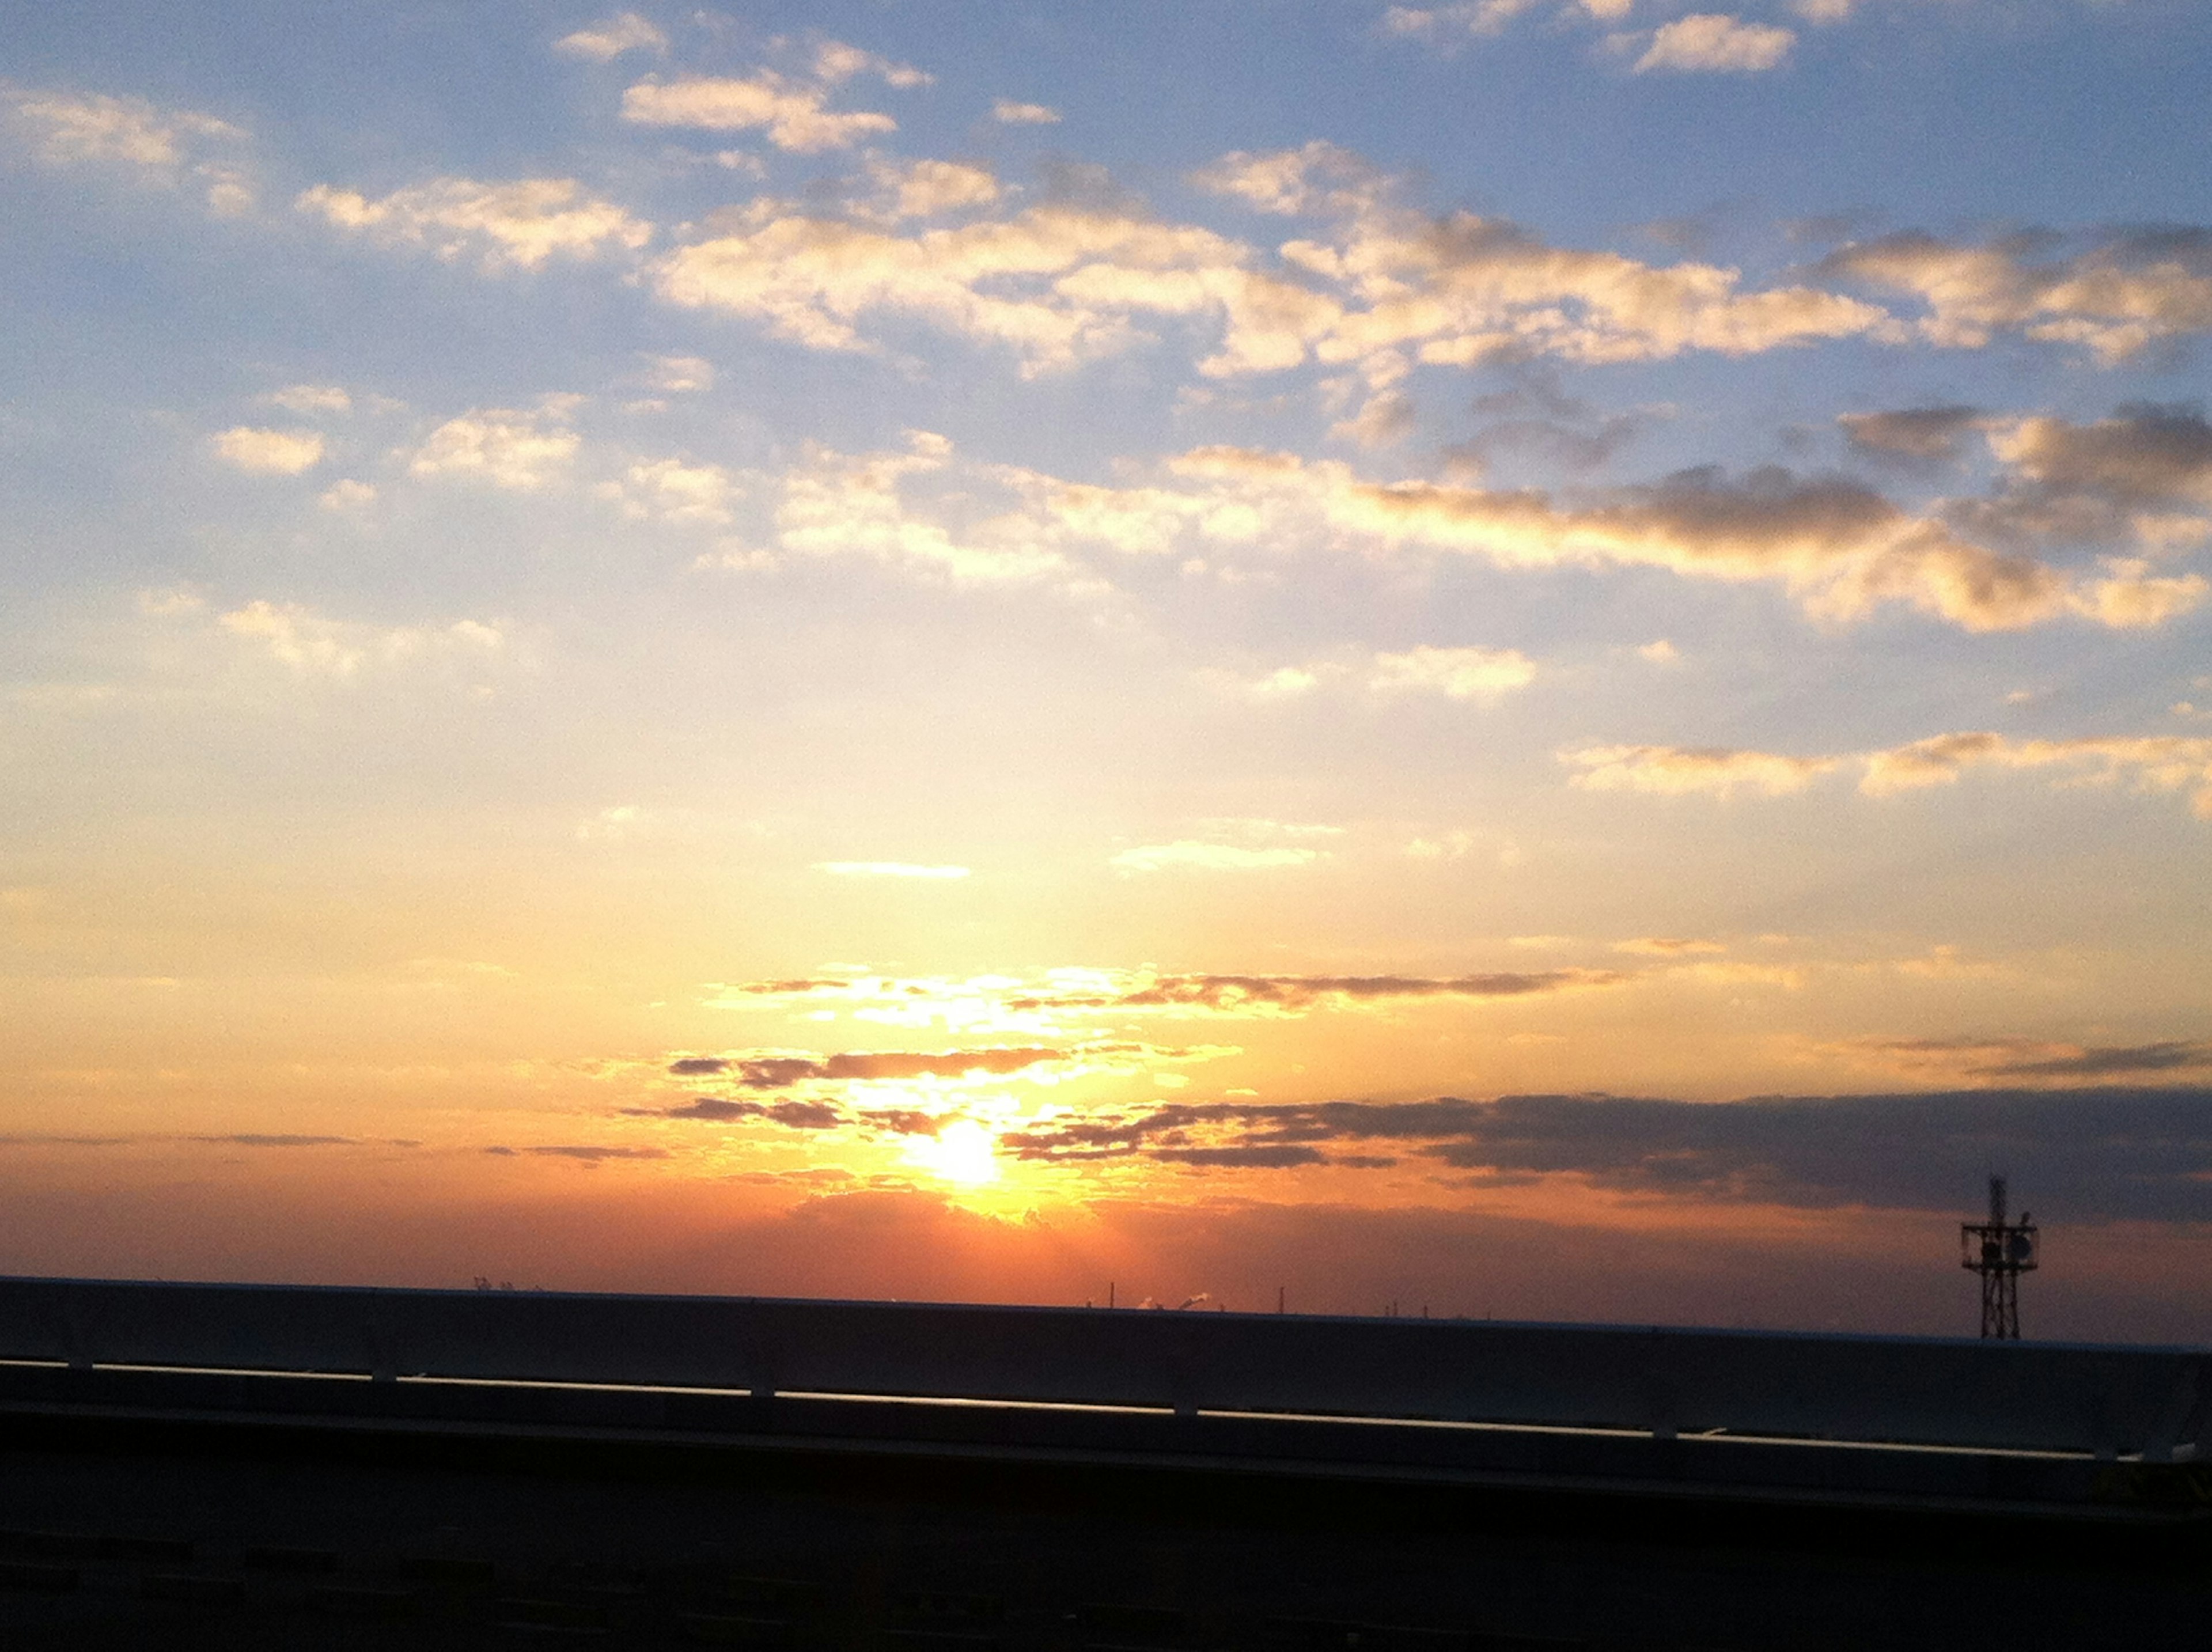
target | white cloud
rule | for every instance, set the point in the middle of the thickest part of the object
(2150, 763)
(523, 451)
(1469, 17)
(348, 496)
(311, 399)
(312, 645)
(891, 869)
(1711, 43)
(792, 113)
(928, 189)
(669, 490)
(1189, 854)
(1676, 771)
(681, 375)
(269, 452)
(1007, 112)
(71, 128)
(92, 126)
(1456, 673)
(516, 225)
(834, 61)
(2115, 298)
(604, 42)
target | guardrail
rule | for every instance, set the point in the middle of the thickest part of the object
(2096, 1400)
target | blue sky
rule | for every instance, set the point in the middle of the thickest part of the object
(1281, 554)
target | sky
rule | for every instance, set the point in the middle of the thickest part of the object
(1532, 658)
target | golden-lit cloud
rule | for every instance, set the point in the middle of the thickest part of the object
(307, 399)
(793, 113)
(157, 145)
(1008, 112)
(269, 452)
(891, 869)
(1190, 855)
(1676, 771)
(518, 225)
(670, 490)
(2147, 763)
(1713, 43)
(313, 645)
(604, 42)
(1456, 673)
(2115, 298)
(521, 450)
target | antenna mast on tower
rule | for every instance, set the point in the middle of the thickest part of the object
(1999, 1251)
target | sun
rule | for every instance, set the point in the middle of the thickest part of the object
(963, 1152)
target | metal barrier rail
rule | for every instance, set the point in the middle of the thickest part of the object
(2103, 1400)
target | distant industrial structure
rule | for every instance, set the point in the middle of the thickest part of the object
(2000, 1251)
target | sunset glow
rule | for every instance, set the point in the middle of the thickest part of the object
(937, 650)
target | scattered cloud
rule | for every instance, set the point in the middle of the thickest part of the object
(523, 451)
(1456, 673)
(314, 645)
(1927, 435)
(1008, 1001)
(791, 112)
(2091, 1154)
(2115, 297)
(308, 399)
(269, 452)
(605, 41)
(669, 490)
(1676, 771)
(1189, 854)
(1007, 112)
(2147, 763)
(891, 869)
(157, 145)
(1713, 43)
(518, 225)
(347, 495)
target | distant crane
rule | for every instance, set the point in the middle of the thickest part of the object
(2000, 1251)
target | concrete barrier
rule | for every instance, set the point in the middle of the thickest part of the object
(2103, 1400)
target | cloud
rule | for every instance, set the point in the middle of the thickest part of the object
(1068, 281)
(1456, 673)
(518, 225)
(313, 645)
(604, 42)
(1087, 991)
(929, 189)
(522, 450)
(1007, 112)
(1676, 771)
(269, 452)
(2116, 297)
(681, 375)
(591, 1156)
(835, 62)
(1840, 547)
(2144, 455)
(1984, 1060)
(1711, 43)
(792, 113)
(2082, 1154)
(73, 129)
(1189, 856)
(1469, 17)
(2150, 763)
(311, 399)
(347, 495)
(1929, 435)
(669, 490)
(891, 869)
